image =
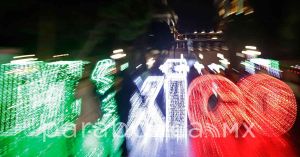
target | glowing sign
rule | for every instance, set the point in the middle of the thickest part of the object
(215, 100)
(37, 99)
(175, 87)
(264, 102)
(35, 95)
(146, 114)
(271, 104)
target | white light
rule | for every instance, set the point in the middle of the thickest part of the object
(24, 56)
(174, 67)
(214, 38)
(251, 53)
(201, 56)
(251, 47)
(195, 32)
(224, 62)
(240, 55)
(219, 55)
(118, 51)
(250, 12)
(22, 61)
(211, 32)
(203, 32)
(220, 32)
(249, 67)
(175, 86)
(118, 56)
(199, 67)
(261, 61)
(138, 66)
(146, 115)
(216, 67)
(150, 62)
(61, 55)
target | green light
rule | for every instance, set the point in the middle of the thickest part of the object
(124, 66)
(275, 64)
(102, 75)
(37, 98)
(100, 138)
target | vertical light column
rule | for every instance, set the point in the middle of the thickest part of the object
(175, 87)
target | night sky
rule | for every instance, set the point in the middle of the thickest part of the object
(50, 26)
(194, 14)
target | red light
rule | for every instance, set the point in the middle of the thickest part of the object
(271, 104)
(227, 105)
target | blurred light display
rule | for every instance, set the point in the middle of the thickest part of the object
(294, 69)
(216, 67)
(146, 124)
(103, 75)
(36, 102)
(104, 137)
(145, 114)
(124, 66)
(271, 104)
(272, 66)
(213, 101)
(249, 67)
(175, 87)
(199, 67)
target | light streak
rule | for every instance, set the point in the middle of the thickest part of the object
(118, 56)
(102, 75)
(220, 55)
(118, 51)
(137, 67)
(216, 67)
(24, 56)
(61, 55)
(251, 47)
(199, 67)
(23, 61)
(251, 53)
(175, 86)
